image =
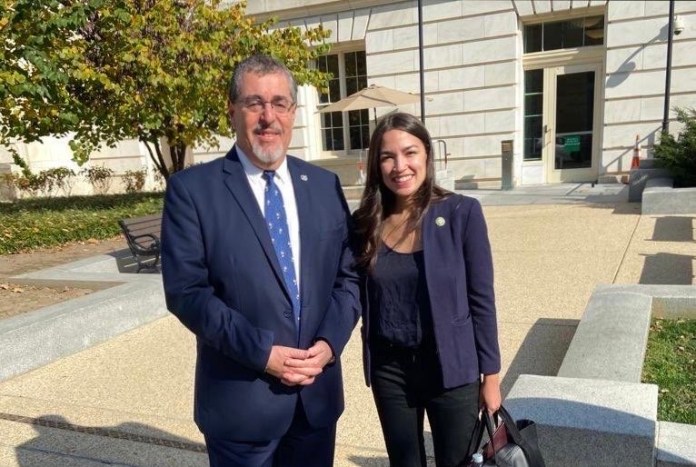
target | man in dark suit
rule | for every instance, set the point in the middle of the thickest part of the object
(256, 263)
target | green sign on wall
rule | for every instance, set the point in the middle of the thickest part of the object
(572, 143)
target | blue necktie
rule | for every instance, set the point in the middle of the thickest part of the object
(277, 223)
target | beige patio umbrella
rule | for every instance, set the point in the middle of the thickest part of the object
(372, 96)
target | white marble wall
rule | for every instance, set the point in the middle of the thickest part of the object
(55, 152)
(473, 54)
(635, 81)
(470, 52)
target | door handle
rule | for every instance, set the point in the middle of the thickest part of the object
(546, 132)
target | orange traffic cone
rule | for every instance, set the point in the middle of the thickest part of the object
(635, 160)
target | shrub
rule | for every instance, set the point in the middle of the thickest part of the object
(134, 180)
(160, 181)
(34, 184)
(43, 222)
(99, 177)
(59, 178)
(44, 182)
(679, 155)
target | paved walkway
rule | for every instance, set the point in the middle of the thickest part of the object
(128, 401)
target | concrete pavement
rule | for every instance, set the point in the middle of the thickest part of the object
(128, 401)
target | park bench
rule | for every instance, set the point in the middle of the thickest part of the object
(143, 237)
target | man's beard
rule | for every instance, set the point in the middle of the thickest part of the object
(267, 155)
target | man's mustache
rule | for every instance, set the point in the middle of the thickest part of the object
(260, 128)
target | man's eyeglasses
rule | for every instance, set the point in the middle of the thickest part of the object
(255, 105)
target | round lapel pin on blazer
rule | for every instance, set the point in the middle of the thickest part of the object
(303, 177)
(440, 221)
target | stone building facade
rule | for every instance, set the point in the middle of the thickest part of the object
(572, 84)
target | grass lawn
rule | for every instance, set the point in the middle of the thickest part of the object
(44, 222)
(670, 362)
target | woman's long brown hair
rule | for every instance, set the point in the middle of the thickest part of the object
(378, 202)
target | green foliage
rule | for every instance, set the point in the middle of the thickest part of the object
(150, 70)
(679, 155)
(60, 179)
(134, 180)
(39, 223)
(37, 48)
(670, 362)
(46, 182)
(32, 184)
(99, 177)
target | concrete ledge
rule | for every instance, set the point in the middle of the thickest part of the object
(346, 168)
(33, 339)
(353, 192)
(610, 340)
(597, 403)
(658, 182)
(638, 178)
(444, 179)
(588, 422)
(668, 301)
(660, 198)
(675, 444)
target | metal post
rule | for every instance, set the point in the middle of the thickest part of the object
(420, 56)
(506, 150)
(668, 70)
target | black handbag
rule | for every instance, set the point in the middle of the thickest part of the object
(510, 443)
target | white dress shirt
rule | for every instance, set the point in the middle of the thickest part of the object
(283, 181)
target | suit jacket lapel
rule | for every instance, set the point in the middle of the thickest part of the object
(236, 181)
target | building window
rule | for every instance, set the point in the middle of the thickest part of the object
(533, 114)
(349, 75)
(554, 35)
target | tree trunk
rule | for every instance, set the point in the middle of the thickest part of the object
(177, 155)
(156, 156)
(177, 152)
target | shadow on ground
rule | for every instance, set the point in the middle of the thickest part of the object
(369, 461)
(59, 442)
(667, 268)
(673, 229)
(542, 351)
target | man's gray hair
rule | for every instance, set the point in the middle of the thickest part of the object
(261, 65)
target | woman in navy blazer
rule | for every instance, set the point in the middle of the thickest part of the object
(430, 339)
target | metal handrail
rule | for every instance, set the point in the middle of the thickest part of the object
(444, 144)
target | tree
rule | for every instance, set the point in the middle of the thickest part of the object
(152, 70)
(37, 47)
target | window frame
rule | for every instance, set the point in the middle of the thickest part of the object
(341, 52)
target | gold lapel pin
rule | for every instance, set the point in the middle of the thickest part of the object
(440, 221)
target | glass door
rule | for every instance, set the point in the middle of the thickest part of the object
(570, 130)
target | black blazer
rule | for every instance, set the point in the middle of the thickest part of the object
(222, 280)
(459, 276)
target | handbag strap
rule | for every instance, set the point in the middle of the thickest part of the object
(477, 433)
(511, 426)
(490, 428)
(531, 453)
(476, 436)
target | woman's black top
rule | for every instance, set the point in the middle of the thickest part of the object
(399, 304)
